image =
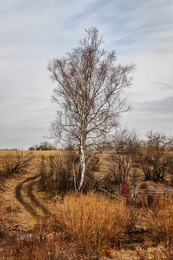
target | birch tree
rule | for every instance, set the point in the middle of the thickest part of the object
(89, 83)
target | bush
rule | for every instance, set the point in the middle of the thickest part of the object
(17, 163)
(56, 175)
(60, 174)
(155, 157)
(160, 221)
(125, 145)
(94, 221)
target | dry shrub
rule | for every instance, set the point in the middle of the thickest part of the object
(94, 221)
(160, 221)
(60, 173)
(41, 243)
(146, 201)
(108, 183)
(17, 163)
(56, 175)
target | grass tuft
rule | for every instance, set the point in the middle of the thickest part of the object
(160, 217)
(94, 221)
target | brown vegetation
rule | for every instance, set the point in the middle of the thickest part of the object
(42, 220)
(160, 220)
(94, 221)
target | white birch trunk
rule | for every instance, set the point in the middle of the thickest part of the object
(83, 141)
(83, 167)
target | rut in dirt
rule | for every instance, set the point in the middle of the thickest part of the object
(25, 190)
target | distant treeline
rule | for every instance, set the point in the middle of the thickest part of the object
(42, 146)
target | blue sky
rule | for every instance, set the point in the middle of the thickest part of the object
(32, 32)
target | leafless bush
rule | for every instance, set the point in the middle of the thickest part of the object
(60, 173)
(108, 183)
(13, 164)
(155, 156)
(56, 176)
(124, 146)
(170, 170)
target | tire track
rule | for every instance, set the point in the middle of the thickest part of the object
(24, 192)
(33, 199)
(19, 196)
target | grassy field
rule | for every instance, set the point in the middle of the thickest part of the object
(38, 224)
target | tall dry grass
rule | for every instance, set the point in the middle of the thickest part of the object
(94, 221)
(160, 220)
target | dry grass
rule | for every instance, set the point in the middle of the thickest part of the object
(16, 164)
(160, 220)
(43, 243)
(159, 253)
(93, 221)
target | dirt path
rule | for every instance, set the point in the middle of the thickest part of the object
(21, 193)
(24, 193)
(21, 205)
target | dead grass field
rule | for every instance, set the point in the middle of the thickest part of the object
(34, 225)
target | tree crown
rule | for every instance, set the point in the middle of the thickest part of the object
(89, 86)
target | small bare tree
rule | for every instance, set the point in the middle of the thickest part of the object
(155, 156)
(124, 147)
(89, 86)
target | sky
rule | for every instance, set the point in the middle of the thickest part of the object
(33, 32)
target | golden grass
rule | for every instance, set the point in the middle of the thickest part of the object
(160, 220)
(94, 221)
(11, 157)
